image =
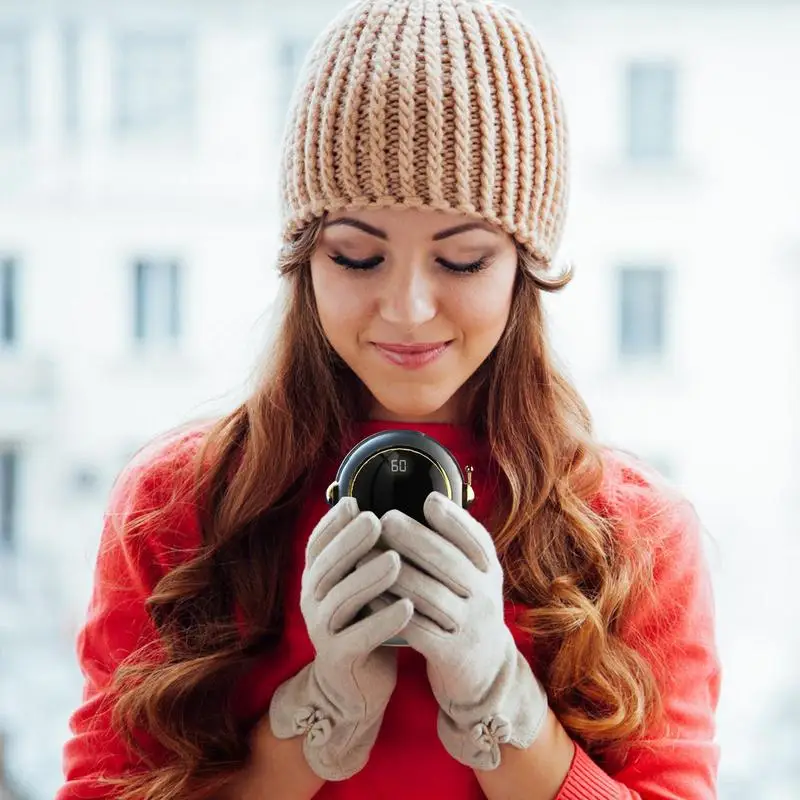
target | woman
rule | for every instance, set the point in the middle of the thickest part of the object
(561, 632)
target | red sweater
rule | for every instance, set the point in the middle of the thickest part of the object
(678, 762)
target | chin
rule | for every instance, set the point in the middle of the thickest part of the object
(405, 406)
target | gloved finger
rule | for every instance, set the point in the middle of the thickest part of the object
(351, 594)
(428, 550)
(382, 601)
(461, 529)
(369, 633)
(425, 636)
(342, 553)
(332, 522)
(374, 553)
(430, 597)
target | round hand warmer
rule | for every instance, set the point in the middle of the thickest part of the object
(398, 469)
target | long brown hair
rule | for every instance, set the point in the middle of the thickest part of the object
(567, 564)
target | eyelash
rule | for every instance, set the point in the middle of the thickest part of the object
(370, 263)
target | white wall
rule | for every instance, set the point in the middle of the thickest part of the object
(78, 212)
(725, 412)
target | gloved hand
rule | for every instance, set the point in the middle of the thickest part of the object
(339, 699)
(485, 688)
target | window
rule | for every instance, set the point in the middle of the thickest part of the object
(14, 88)
(651, 111)
(9, 480)
(9, 302)
(70, 44)
(642, 311)
(156, 311)
(292, 53)
(154, 84)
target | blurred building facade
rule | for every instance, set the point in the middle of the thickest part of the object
(139, 147)
(7, 791)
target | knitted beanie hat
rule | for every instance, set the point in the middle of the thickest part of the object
(442, 104)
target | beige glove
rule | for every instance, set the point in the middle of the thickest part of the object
(339, 699)
(486, 690)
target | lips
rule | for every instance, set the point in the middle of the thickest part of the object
(404, 349)
(411, 356)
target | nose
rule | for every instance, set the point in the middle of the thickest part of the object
(408, 298)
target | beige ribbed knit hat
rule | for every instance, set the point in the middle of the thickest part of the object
(444, 104)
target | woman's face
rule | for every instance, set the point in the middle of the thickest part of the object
(413, 301)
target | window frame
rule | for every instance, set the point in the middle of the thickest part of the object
(21, 130)
(131, 124)
(9, 301)
(648, 140)
(168, 331)
(625, 351)
(10, 472)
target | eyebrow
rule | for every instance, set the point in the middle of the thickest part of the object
(437, 237)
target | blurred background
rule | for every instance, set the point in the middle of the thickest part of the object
(139, 149)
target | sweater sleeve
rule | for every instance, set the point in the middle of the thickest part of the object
(117, 622)
(680, 760)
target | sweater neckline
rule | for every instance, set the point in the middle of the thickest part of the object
(450, 434)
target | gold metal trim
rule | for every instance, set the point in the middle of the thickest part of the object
(469, 492)
(404, 450)
(332, 493)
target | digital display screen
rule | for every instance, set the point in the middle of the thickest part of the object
(399, 479)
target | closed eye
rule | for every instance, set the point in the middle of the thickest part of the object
(473, 266)
(371, 263)
(349, 263)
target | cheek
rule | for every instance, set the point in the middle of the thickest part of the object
(340, 304)
(482, 309)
